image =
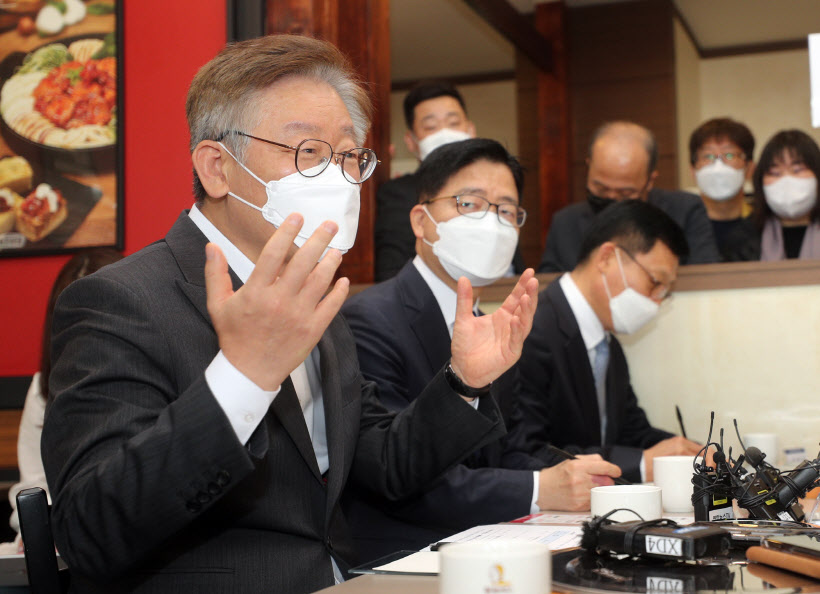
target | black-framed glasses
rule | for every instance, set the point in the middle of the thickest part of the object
(729, 157)
(660, 291)
(476, 207)
(312, 157)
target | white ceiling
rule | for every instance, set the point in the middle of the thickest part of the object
(441, 38)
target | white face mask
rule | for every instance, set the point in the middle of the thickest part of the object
(444, 136)
(629, 309)
(480, 249)
(327, 196)
(791, 197)
(719, 181)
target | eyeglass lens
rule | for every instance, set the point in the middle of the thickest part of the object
(312, 157)
(476, 206)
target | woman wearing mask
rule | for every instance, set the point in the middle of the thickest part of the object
(785, 183)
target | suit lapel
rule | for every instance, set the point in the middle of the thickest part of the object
(334, 425)
(187, 244)
(425, 317)
(578, 358)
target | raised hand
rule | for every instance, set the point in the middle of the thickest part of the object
(270, 325)
(484, 347)
(674, 446)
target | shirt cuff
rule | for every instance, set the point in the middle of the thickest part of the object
(534, 509)
(643, 469)
(243, 402)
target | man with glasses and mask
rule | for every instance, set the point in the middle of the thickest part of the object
(208, 407)
(622, 165)
(576, 391)
(466, 224)
(721, 151)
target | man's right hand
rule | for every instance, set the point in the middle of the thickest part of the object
(673, 446)
(566, 486)
(269, 326)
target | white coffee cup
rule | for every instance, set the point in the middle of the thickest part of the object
(510, 566)
(673, 474)
(645, 500)
(765, 442)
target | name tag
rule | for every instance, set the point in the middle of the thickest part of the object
(663, 545)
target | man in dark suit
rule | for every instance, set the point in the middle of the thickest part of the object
(622, 165)
(576, 391)
(208, 406)
(466, 223)
(435, 114)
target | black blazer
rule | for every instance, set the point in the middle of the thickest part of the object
(151, 488)
(571, 223)
(558, 398)
(403, 342)
(395, 242)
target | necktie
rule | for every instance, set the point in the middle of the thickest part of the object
(599, 373)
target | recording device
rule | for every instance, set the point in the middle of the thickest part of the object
(768, 493)
(659, 539)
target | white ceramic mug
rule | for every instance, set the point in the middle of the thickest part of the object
(766, 443)
(673, 474)
(642, 499)
(509, 566)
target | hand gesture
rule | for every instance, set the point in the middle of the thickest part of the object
(484, 347)
(269, 326)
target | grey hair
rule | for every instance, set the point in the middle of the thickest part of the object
(225, 93)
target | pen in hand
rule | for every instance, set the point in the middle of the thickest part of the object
(566, 455)
(680, 421)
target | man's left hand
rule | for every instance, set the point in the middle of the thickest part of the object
(484, 347)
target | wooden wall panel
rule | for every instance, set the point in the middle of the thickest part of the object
(622, 66)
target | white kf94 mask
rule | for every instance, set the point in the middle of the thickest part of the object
(327, 196)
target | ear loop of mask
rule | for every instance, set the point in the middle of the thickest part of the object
(427, 212)
(252, 174)
(623, 275)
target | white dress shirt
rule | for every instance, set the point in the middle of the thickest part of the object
(447, 300)
(592, 331)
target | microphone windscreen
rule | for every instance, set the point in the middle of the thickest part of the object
(754, 456)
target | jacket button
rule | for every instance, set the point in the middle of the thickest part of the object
(193, 506)
(214, 489)
(223, 477)
(203, 497)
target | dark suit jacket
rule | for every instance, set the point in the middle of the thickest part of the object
(571, 223)
(402, 341)
(558, 400)
(151, 488)
(395, 242)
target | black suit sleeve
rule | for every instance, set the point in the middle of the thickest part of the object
(463, 496)
(699, 235)
(125, 454)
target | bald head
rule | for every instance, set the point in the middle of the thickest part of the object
(622, 160)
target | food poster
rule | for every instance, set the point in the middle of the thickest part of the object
(60, 132)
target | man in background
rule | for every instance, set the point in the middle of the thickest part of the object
(435, 115)
(721, 152)
(466, 223)
(576, 391)
(622, 165)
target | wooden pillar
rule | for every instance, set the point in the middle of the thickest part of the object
(361, 30)
(544, 130)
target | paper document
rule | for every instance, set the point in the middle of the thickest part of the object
(426, 561)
